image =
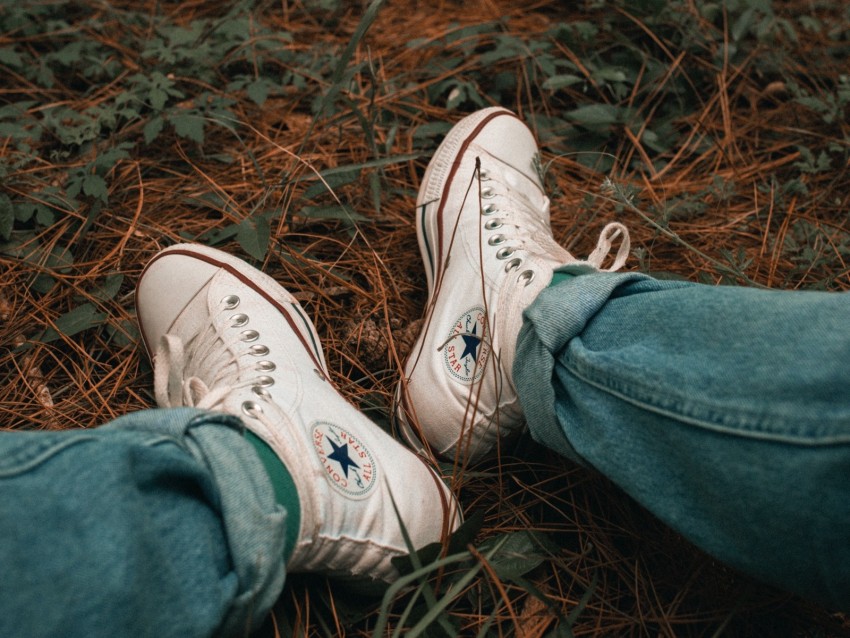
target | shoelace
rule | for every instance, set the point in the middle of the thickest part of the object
(176, 382)
(609, 234)
(535, 230)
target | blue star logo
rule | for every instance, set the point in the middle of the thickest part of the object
(340, 455)
(471, 343)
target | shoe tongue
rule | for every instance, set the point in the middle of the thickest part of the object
(196, 314)
(516, 149)
(519, 174)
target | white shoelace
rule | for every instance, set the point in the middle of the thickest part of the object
(176, 383)
(609, 234)
(538, 232)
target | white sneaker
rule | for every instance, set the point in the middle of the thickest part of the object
(482, 220)
(225, 336)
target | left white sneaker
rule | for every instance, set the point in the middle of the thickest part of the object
(482, 219)
(225, 336)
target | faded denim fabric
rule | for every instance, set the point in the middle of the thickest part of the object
(162, 523)
(725, 411)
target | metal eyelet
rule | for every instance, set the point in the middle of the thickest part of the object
(504, 253)
(493, 224)
(259, 350)
(260, 392)
(237, 321)
(495, 240)
(230, 302)
(264, 381)
(489, 209)
(487, 192)
(249, 335)
(526, 277)
(266, 366)
(513, 264)
(483, 173)
(252, 408)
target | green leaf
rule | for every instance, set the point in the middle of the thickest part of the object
(431, 130)
(23, 210)
(16, 110)
(188, 125)
(158, 97)
(153, 128)
(330, 182)
(561, 81)
(43, 284)
(610, 75)
(507, 47)
(258, 91)
(743, 24)
(72, 322)
(15, 131)
(519, 554)
(44, 216)
(109, 287)
(60, 258)
(95, 186)
(333, 212)
(596, 115)
(7, 217)
(178, 36)
(109, 158)
(70, 53)
(253, 236)
(10, 57)
(810, 23)
(123, 333)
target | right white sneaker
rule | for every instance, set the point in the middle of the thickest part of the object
(225, 336)
(482, 220)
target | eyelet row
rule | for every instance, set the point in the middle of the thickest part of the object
(527, 276)
(252, 408)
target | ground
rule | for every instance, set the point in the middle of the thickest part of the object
(294, 135)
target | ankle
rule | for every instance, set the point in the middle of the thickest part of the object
(284, 489)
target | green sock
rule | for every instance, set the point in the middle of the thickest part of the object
(284, 489)
(558, 277)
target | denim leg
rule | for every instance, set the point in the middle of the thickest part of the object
(724, 411)
(162, 523)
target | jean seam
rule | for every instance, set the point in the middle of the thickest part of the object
(754, 427)
(34, 453)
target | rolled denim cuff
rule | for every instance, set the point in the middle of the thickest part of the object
(254, 523)
(559, 313)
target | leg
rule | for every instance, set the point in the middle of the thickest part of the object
(722, 410)
(179, 521)
(162, 523)
(228, 337)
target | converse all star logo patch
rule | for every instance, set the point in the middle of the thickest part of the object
(348, 464)
(467, 348)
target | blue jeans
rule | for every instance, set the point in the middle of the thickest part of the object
(162, 523)
(724, 411)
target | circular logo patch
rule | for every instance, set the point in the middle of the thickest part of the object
(467, 349)
(348, 464)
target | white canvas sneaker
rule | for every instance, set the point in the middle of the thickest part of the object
(482, 221)
(225, 336)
